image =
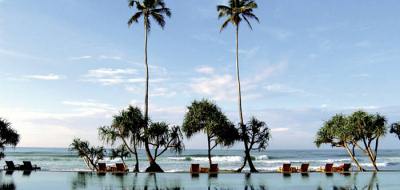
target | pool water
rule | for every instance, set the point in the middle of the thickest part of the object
(86, 180)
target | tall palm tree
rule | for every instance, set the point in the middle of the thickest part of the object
(235, 13)
(156, 10)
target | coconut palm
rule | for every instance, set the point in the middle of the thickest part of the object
(155, 10)
(8, 136)
(235, 13)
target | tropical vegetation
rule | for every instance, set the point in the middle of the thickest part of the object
(91, 155)
(127, 127)
(235, 12)
(258, 134)
(359, 130)
(206, 117)
(149, 10)
(8, 136)
(395, 128)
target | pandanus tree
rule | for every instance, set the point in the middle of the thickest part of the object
(258, 134)
(126, 127)
(339, 133)
(91, 155)
(204, 116)
(148, 10)
(369, 129)
(395, 128)
(8, 136)
(163, 137)
(236, 12)
(120, 152)
(359, 130)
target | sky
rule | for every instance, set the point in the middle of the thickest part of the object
(68, 66)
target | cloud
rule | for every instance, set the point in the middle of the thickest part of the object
(110, 76)
(108, 72)
(218, 87)
(205, 70)
(48, 77)
(69, 120)
(269, 71)
(279, 130)
(101, 57)
(81, 57)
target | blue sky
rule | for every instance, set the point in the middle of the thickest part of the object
(67, 66)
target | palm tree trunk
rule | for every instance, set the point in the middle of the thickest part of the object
(136, 169)
(245, 140)
(154, 167)
(146, 97)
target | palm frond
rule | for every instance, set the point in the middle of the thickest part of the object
(135, 18)
(159, 19)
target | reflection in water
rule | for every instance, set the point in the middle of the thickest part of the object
(87, 180)
(250, 185)
(372, 184)
(27, 173)
(8, 186)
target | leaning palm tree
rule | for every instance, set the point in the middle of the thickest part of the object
(235, 13)
(156, 10)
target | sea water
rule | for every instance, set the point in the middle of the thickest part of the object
(61, 159)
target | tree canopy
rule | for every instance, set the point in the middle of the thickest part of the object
(155, 9)
(8, 136)
(395, 128)
(205, 116)
(359, 130)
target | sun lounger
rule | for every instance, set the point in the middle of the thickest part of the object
(11, 166)
(102, 167)
(343, 168)
(303, 168)
(120, 167)
(327, 169)
(286, 168)
(28, 166)
(195, 168)
(214, 168)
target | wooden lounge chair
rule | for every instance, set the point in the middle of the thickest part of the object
(120, 167)
(343, 168)
(328, 168)
(303, 168)
(10, 166)
(102, 167)
(28, 166)
(286, 168)
(195, 168)
(214, 168)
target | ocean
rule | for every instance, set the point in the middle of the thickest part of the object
(61, 159)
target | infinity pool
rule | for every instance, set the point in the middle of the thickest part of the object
(74, 180)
